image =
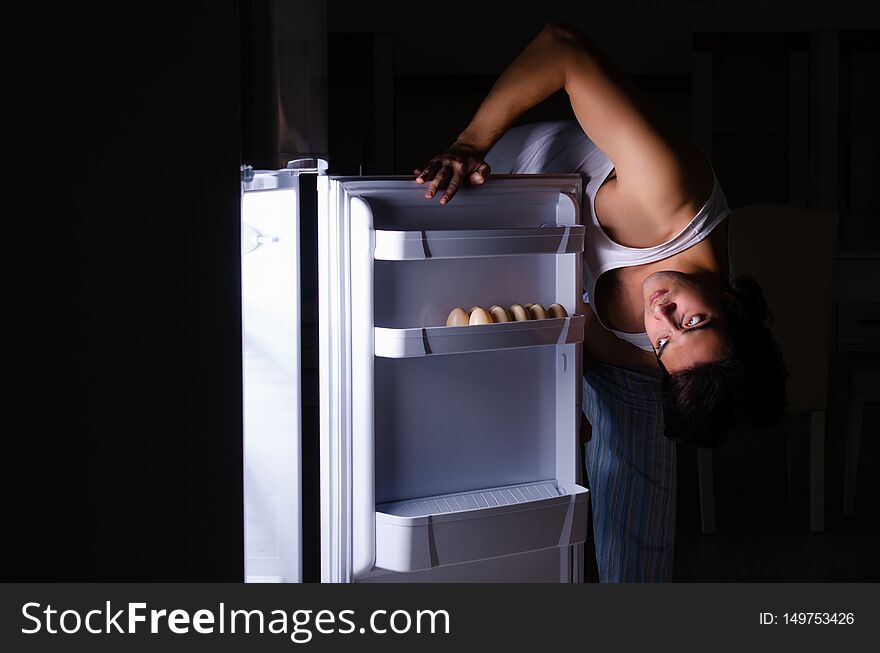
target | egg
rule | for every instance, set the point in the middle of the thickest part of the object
(537, 312)
(556, 310)
(457, 317)
(528, 307)
(518, 313)
(479, 316)
(499, 314)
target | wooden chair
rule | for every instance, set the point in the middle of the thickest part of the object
(790, 252)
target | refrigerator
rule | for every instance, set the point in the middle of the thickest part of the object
(447, 453)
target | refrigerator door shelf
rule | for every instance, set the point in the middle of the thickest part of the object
(426, 341)
(420, 245)
(455, 528)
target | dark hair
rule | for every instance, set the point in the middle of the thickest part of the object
(702, 403)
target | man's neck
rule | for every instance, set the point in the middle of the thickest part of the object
(621, 304)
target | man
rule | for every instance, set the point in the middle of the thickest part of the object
(669, 327)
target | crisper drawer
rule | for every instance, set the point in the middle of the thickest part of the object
(468, 526)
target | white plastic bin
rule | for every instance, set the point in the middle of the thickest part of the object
(454, 528)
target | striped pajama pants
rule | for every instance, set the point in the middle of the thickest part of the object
(631, 469)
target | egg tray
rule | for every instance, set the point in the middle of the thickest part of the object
(429, 341)
(463, 527)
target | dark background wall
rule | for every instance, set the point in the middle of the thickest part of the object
(122, 443)
(122, 438)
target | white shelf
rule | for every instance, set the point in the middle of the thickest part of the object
(454, 528)
(427, 341)
(421, 245)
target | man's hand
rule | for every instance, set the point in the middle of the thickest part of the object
(449, 169)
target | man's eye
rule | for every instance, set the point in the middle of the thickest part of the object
(661, 342)
(694, 321)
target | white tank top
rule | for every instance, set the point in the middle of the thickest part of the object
(563, 147)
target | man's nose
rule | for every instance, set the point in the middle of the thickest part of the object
(664, 312)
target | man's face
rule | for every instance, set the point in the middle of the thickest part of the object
(685, 320)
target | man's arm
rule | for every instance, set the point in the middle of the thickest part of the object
(653, 167)
(538, 72)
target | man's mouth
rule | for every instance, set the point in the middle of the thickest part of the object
(657, 294)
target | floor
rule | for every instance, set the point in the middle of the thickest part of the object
(763, 537)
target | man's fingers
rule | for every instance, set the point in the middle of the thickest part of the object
(480, 175)
(439, 178)
(452, 188)
(449, 176)
(425, 173)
